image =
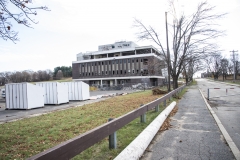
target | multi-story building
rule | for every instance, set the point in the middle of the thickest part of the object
(119, 63)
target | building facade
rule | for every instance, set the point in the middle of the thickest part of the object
(119, 63)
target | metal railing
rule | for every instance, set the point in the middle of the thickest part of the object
(74, 146)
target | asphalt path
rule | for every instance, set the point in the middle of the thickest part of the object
(193, 134)
(225, 104)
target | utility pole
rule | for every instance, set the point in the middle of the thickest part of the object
(234, 75)
(168, 55)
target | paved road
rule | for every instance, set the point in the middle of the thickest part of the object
(194, 134)
(227, 107)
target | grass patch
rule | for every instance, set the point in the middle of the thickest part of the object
(27, 137)
(194, 82)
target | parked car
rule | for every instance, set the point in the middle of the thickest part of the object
(3, 93)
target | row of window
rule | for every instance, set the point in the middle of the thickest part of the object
(117, 72)
(145, 62)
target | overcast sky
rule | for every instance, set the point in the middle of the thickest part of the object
(76, 26)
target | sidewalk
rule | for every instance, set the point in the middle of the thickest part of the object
(194, 134)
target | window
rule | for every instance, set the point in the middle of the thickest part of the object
(124, 61)
(120, 61)
(145, 61)
(99, 63)
(116, 61)
(89, 73)
(117, 71)
(120, 71)
(137, 60)
(137, 70)
(102, 63)
(106, 72)
(113, 72)
(141, 60)
(125, 72)
(109, 62)
(128, 60)
(133, 71)
(109, 72)
(82, 65)
(102, 72)
(92, 73)
(113, 62)
(132, 60)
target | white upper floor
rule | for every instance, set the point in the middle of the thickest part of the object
(117, 49)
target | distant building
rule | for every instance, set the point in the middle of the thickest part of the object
(119, 63)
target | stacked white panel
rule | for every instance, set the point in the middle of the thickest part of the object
(85, 91)
(77, 90)
(23, 96)
(54, 92)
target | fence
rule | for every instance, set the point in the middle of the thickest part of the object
(74, 146)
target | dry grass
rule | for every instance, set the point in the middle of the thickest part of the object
(27, 137)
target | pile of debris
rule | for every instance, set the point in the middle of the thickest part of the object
(157, 91)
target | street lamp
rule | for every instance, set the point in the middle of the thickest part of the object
(168, 55)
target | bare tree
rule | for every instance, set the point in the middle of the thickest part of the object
(192, 38)
(20, 11)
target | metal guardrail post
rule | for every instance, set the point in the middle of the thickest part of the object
(157, 108)
(112, 138)
(143, 117)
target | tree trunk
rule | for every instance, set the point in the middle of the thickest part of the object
(175, 82)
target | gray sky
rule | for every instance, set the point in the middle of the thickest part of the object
(81, 25)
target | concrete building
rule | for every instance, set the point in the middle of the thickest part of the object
(119, 63)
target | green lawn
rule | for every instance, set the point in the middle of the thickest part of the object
(27, 137)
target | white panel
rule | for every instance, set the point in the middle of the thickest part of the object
(62, 93)
(21, 95)
(7, 96)
(25, 96)
(85, 91)
(14, 91)
(35, 96)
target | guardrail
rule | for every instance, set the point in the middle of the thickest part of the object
(74, 146)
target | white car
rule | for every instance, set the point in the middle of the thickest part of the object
(3, 93)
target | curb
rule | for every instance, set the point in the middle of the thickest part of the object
(229, 140)
(137, 147)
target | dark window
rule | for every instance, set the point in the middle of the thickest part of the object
(141, 60)
(137, 60)
(133, 60)
(99, 63)
(124, 61)
(102, 72)
(145, 61)
(109, 62)
(82, 65)
(133, 71)
(120, 71)
(125, 72)
(89, 73)
(128, 60)
(109, 72)
(117, 71)
(92, 74)
(113, 72)
(137, 70)
(102, 63)
(113, 62)
(120, 61)
(106, 72)
(116, 61)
